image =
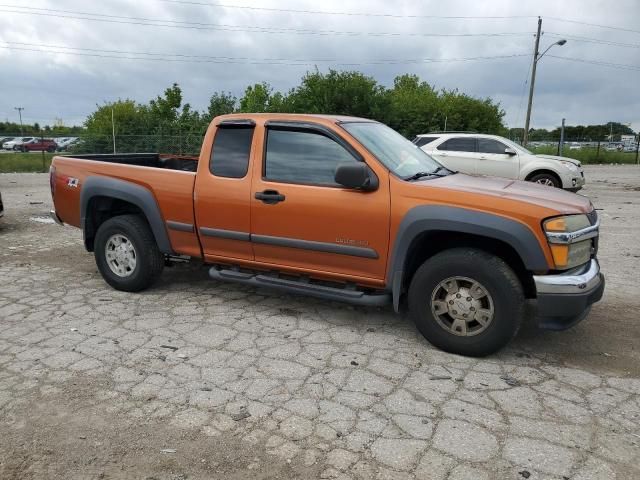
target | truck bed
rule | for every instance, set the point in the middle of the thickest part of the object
(156, 160)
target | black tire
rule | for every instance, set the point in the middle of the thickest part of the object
(149, 259)
(497, 278)
(546, 179)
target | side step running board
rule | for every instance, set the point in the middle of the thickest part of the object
(355, 297)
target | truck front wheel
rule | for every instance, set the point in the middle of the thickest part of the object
(466, 301)
(127, 254)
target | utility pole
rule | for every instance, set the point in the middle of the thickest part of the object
(113, 131)
(561, 139)
(20, 114)
(525, 136)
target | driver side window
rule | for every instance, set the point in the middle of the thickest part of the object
(488, 145)
(303, 156)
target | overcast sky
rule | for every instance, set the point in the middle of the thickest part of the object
(53, 85)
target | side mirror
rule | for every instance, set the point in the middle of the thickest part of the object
(356, 175)
(510, 151)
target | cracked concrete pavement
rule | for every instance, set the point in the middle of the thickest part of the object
(96, 383)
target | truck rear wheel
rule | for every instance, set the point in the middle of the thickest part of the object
(466, 301)
(127, 254)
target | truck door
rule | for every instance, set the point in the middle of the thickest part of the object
(222, 192)
(302, 219)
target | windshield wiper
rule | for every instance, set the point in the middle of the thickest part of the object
(435, 173)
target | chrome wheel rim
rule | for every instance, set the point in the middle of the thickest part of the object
(462, 306)
(545, 181)
(121, 255)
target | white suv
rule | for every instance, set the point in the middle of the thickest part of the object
(479, 154)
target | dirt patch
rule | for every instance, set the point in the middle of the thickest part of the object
(69, 434)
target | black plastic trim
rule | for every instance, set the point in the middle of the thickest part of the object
(354, 297)
(562, 311)
(129, 192)
(241, 122)
(179, 226)
(433, 218)
(228, 234)
(351, 250)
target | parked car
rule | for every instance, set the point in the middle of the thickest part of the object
(343, 209)
(15, 143)
(575, 146)
(65, 142)
(479, 154)
(5, 139)
(614, 147)
(38, 145)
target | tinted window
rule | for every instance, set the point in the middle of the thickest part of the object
(230, 153)
(303, 157)
(487, 145)
(460, 144)
(420, 141)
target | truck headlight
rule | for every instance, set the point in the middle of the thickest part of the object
(571, 166)
(570, 239)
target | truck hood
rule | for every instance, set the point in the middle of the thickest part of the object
(526, 192)
(563, 159)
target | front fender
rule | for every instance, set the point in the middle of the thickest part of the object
(436, 218)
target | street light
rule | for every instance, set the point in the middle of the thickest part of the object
(536, 58)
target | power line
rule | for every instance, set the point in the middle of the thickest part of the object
(341, 13)
(621, 66)
(578, 22)
(169, 57)
(391, 15)
(99, 17)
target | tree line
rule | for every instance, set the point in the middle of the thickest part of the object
(410, 106)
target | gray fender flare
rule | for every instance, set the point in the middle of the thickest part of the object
(128, 192)
(433, 218)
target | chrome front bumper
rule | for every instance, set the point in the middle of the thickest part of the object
(574, 281)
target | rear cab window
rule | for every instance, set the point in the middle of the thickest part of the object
(459, 144)
(231, 150)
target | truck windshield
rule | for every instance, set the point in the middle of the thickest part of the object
(397, 153)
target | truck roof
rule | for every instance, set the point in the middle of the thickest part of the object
(292, 117)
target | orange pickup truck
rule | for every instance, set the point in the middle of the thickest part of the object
(343, 209)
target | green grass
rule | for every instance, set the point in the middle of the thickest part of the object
(24, 162)
(589, 155)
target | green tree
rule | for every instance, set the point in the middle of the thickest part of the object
(339, 93)
(413, 106)
(465, 113)
(256, 98)
(221, 103)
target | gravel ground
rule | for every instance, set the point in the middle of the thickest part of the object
(195, 379)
